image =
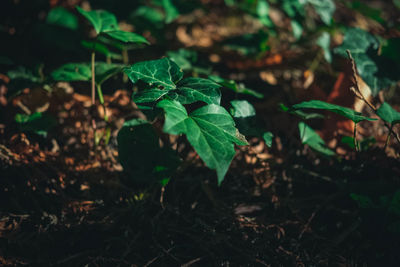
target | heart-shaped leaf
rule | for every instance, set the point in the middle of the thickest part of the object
(162, 73)
(242, 109)
(166, 75)
(324, 8)
(209, 129)
(388, 114)
(353, 115)
(268, 136)
(82, 72)
(141, 155)
(61, 17)
(101, 20)
(309, 137)
(364, 48)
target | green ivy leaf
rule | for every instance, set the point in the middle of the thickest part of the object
(183, 58)
(364, 49)
(38, 123)
(82, 72)
(191, 90)
(309, 137)
(209, 129)
(388, 114)
(140, 153)
(148, 96)
(353, 115)
(127, 37)
(101, 20)
(263, 12)
(161, 72)
(242, 109)
(324, 8)
(232, 85)
(268, 136)
(324, 41)
(72, 72)
(171, 12)
(61, 17)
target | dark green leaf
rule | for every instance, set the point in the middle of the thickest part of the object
(324, 41)
(101, 20)
(141, 155)
(61, 17)
(309, 137)
(183, 58)
(126, 37)
(191, 90)
(268, 136)
(100, 48)
(162, 73)
(209, 129)
(72, 72)
(170, 11)
(148, 96)
(324, 8)
(38, 123)
(242, 109)
(232, 85)
(388, 114)
(353, 115)
(364, 202)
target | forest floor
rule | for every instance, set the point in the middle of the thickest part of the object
(67, 202)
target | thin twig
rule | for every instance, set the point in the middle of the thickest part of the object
(356, 90)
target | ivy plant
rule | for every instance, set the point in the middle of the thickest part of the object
(210, 129)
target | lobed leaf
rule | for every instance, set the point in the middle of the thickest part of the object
(209, 129)
(101, 20)
(388, 114)
(161, 73)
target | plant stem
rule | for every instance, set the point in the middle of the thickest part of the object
(355, 137)
(356, 90)
(125, 60)
(388, 137)
(101, 99)
(93, 78)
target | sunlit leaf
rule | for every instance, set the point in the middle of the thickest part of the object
(171, 12)
(324, 8)
(346, 112)
(209, 129)
(268, 137)
(126, 37)
(309, 137)
(162, 73)
(388, 114)
(101, 20)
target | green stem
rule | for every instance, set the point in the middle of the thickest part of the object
(101, 99)
(93, 78)
(388, 137)
(125, 60)
(355, 137)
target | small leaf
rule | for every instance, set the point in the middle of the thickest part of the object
(101, 20)
(162, 72)
(38, 123)
(100, 48)
(324, 41)
(140, 153)
(104, 71)
(61, 17)
(184, 58)
(170, 11)
(126, 37)
(388, 114)
(268, 136)
(297, 29)
(324, 8)
(263, 12)
(148, 96)
(232, 85)
(309, 137)
(242, 109)
(72, 72)
(353, 115)
(364, 202)
(209, 129)
(191, 90)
